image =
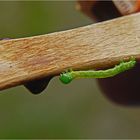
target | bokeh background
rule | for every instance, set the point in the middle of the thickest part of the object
(77, 110)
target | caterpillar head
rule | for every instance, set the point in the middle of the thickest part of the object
(65, 78)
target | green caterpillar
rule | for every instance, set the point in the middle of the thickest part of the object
(68, 76)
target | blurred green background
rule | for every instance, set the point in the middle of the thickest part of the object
(77, 110)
